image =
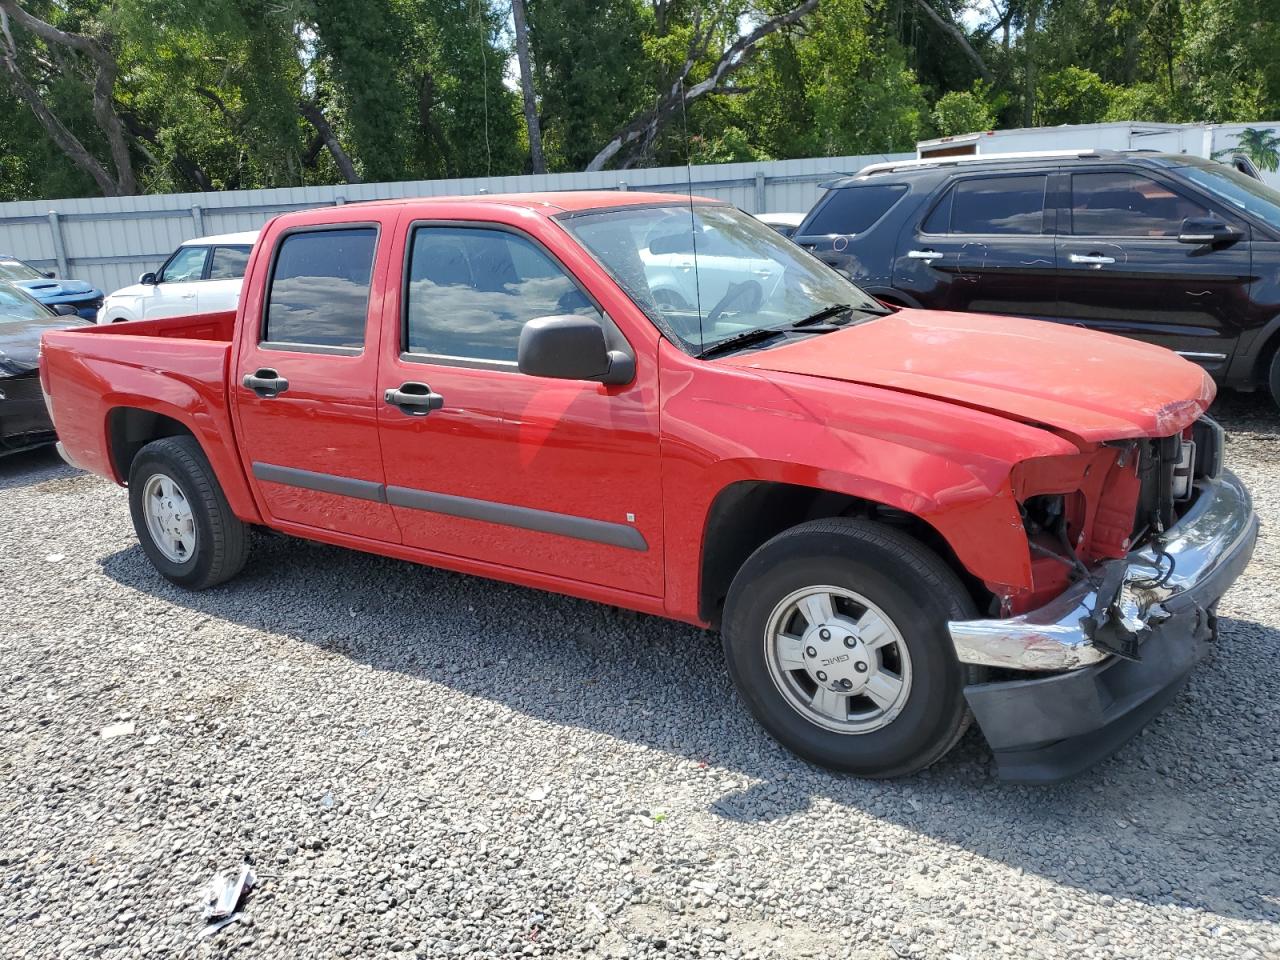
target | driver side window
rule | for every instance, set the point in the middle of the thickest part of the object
(471, 290)
(185, 265)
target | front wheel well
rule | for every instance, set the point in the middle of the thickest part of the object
(747, 514)
(130, 429)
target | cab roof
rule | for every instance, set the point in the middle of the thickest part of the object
(551, 202)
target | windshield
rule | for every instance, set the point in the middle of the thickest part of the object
(745, 277)
(11, 269)
(1237, 189)
(15, 307)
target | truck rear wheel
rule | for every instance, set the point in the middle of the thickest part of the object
(835, 635)
(181, 516)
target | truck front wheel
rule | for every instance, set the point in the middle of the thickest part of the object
(835, 635)
(181, 516)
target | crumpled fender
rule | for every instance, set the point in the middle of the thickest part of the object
(946, 464)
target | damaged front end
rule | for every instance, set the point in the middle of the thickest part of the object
(1135, 561)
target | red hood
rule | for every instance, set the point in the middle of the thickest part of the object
(1090, 385)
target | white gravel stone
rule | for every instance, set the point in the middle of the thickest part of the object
(421, 764)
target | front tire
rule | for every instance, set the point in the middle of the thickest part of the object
(835, 636)
(182, 517)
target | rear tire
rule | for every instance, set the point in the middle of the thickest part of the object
(873, 686)
(182, 517)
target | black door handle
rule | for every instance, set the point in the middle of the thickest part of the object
(266, 383)
(415, 399)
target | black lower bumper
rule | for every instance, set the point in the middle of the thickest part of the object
(1046, 729)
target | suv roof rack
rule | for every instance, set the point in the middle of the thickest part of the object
(979, 158)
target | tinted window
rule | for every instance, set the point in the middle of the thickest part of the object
(185, 265)
(320, 288)
(853, 209)
(471, 290)
(228, 263)
(999, 205)
(1127, 205)
(939, 219)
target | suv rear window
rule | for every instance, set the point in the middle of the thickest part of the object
(853, 209)
(992, 205)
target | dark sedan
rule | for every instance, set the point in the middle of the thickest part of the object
(24, 419)
(84, 298)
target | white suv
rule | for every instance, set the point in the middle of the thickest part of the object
(201, 276)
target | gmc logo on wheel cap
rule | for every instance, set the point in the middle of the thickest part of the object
(840, 659)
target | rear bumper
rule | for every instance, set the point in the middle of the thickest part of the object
(1050, 727)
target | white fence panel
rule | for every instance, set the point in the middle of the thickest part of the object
(109, 241)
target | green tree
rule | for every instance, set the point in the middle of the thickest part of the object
(1071, 95)
(961, 111)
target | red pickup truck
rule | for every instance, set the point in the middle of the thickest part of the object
(899, 520)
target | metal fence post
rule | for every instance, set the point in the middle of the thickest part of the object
(197, 217)
(760, 191)
(622, 185)
(339, 201)
(59, 251)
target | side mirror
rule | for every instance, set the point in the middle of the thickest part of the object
(48, 274)
(571, 347)
(1207, 230)
(148, 280)
(65, 310)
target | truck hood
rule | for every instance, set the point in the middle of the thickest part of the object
(1088, 385)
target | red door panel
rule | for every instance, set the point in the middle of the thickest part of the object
(313, 447)
(551, 476)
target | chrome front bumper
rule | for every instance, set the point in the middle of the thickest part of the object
(1199, 558)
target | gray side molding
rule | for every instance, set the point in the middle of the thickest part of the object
(544, 521)
(321, 482)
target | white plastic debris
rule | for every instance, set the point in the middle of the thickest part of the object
(117, 730)
(225, 892)
(54, 558)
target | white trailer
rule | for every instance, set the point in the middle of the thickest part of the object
(1198, 139)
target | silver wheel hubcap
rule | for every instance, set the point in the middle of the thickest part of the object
(170, 520)
(837, 659)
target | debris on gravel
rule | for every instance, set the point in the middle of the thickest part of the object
(422, 764)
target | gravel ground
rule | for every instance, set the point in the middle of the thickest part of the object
(423, 764)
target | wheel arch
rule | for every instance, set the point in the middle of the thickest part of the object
(747, 513)
(129, 428)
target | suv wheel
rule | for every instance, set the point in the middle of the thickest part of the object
(835, 635)
(1273, 378)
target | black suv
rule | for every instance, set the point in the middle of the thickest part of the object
(1175, 250)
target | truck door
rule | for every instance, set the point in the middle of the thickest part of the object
(303, 381)
(986, 245)
(552, 477)
(1123, 269)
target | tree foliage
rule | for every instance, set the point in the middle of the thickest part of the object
(120, 96)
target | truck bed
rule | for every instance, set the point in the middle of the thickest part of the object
(175, 367)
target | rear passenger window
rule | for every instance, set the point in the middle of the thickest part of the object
(853, 209)
(472, 289)
(319, 294)
(1118, 204)
(228, 263)
(999, 205)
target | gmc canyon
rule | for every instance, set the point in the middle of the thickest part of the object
(899, 520)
